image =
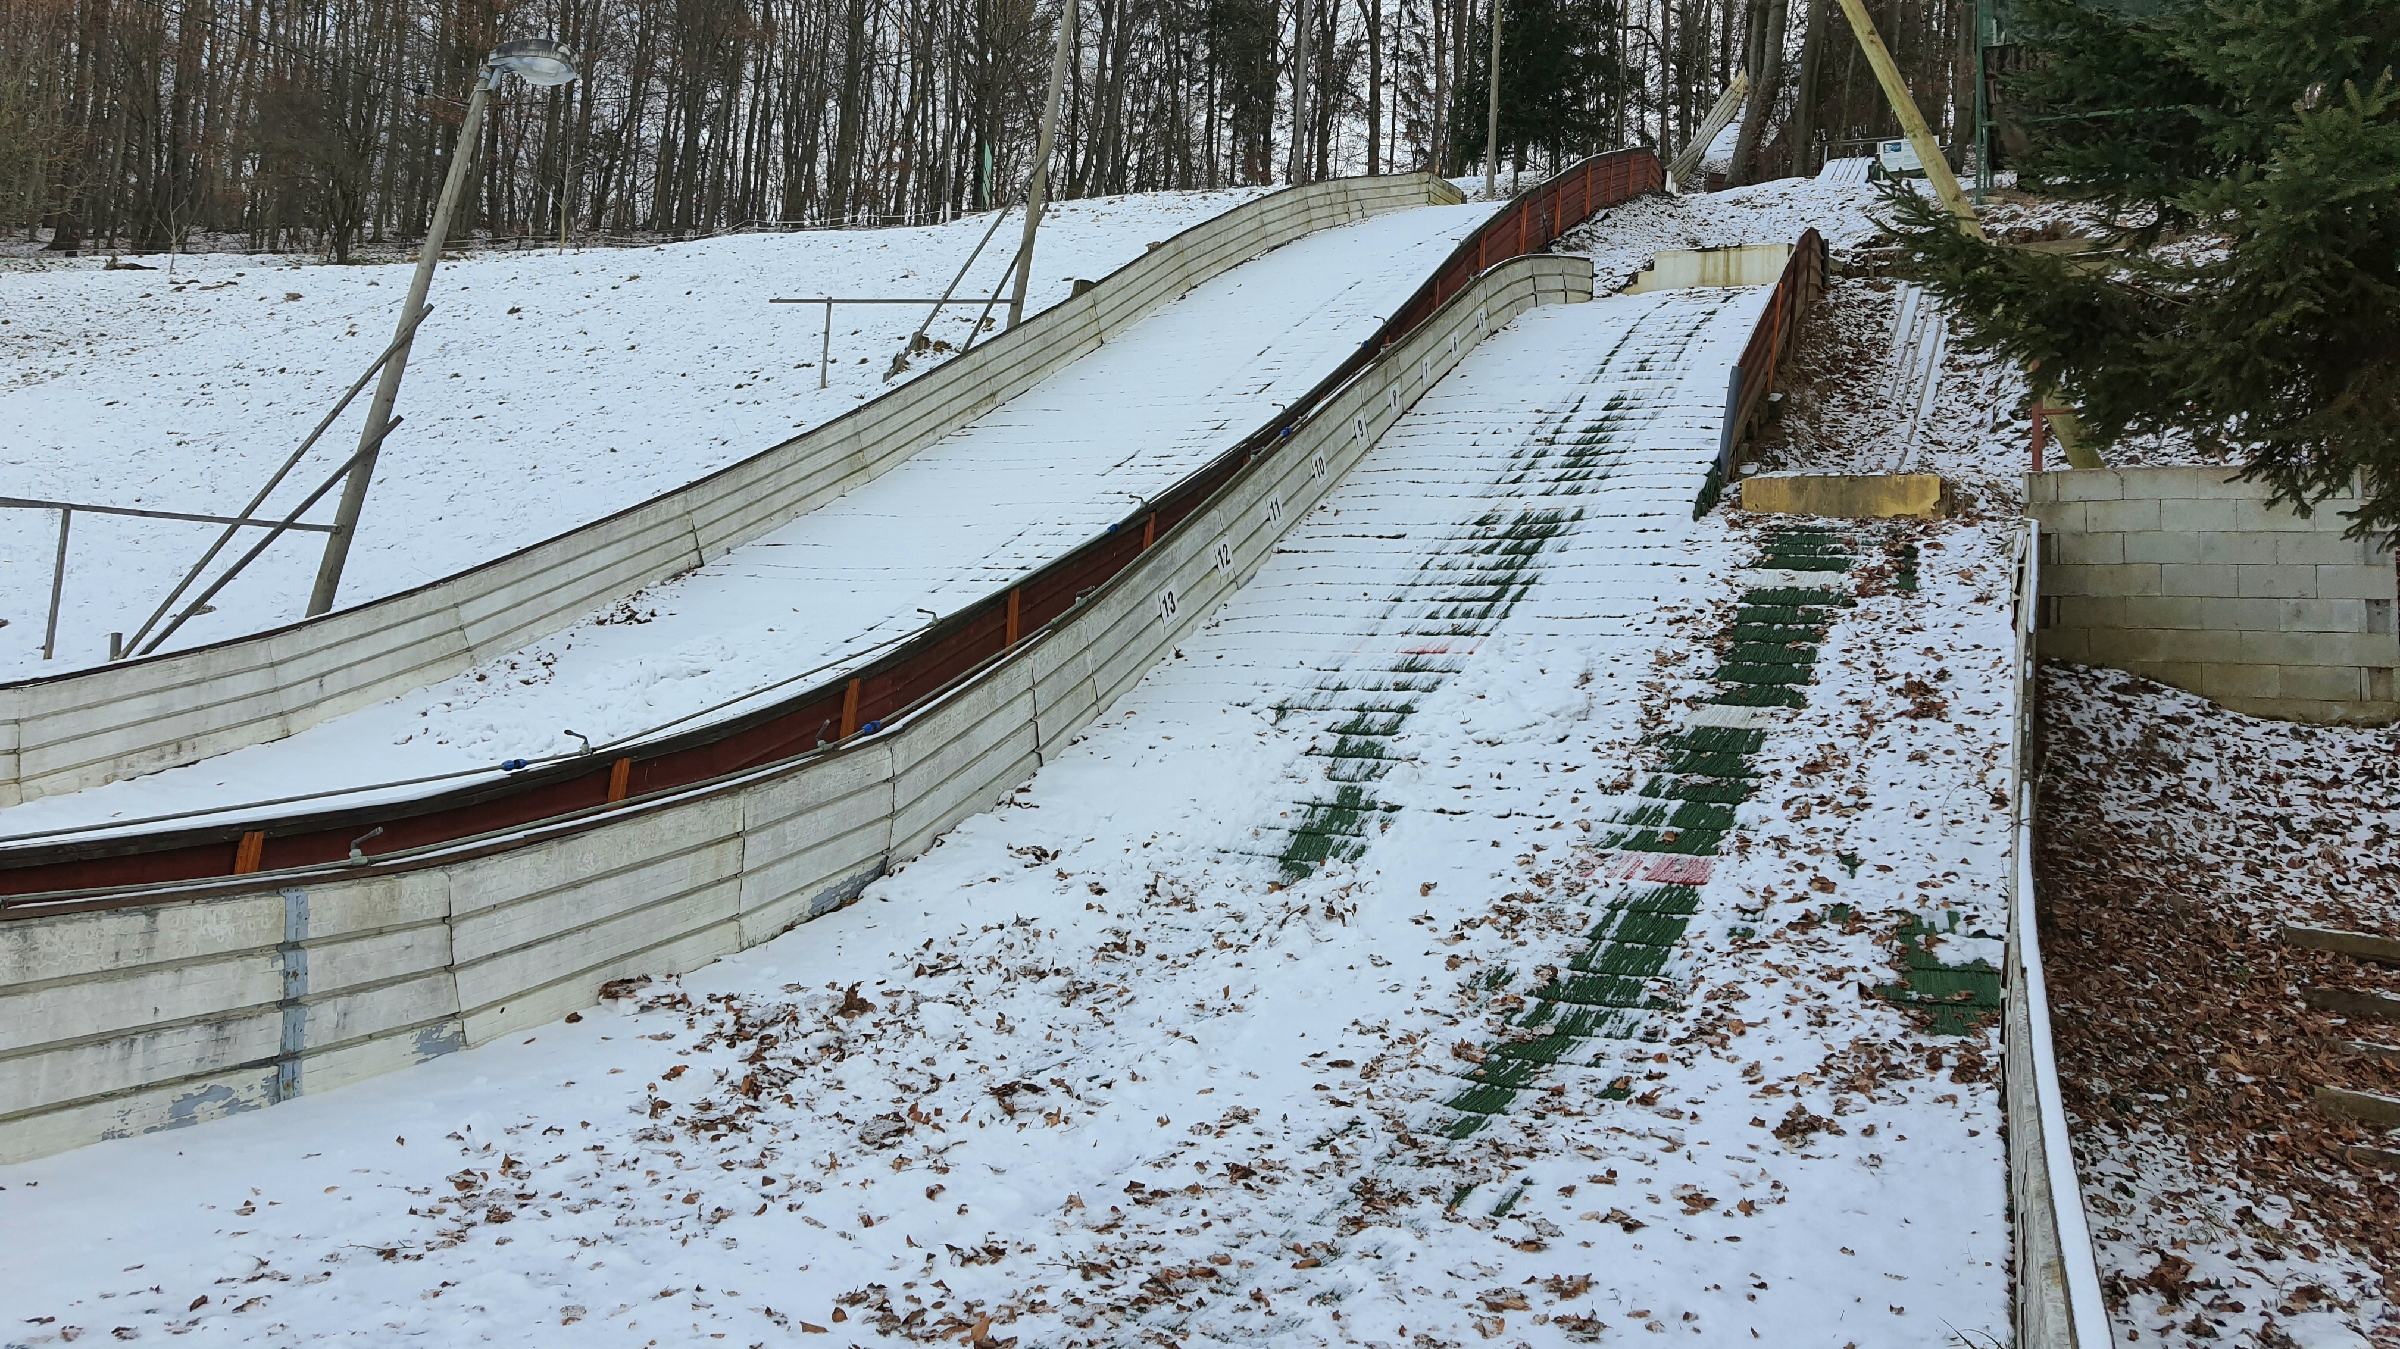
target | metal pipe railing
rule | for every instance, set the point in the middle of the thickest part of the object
(406, 334)
(291, 521)
(66, 520)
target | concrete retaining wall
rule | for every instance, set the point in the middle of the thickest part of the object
(1739, 265)
(212, 1000)
(2181, 576)
(68, 732)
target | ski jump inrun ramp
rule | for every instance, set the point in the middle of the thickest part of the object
(237, 975)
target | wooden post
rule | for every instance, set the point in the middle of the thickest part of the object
(1149, 529)
(620, 777)
(1013, 627)
(850, 709)
(250, 852)
(1781, 306)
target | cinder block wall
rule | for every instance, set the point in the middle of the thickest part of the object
(2182, 576)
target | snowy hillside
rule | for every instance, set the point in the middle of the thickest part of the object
(546, 390)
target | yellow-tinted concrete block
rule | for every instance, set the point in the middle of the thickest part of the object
(1740, 265)
(1849, 496)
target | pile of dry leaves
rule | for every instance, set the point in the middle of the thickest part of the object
(2176, 840)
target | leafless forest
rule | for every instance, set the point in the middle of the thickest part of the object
(139, 125)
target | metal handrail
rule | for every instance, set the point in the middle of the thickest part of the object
(66, 523)
(406, 334)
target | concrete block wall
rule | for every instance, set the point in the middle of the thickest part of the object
(208, 1000)
(68, 732)
(2183, 576)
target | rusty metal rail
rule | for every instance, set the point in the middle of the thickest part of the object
(908, 677)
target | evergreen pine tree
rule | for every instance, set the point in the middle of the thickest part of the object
(2272, 123)
(1555, 63)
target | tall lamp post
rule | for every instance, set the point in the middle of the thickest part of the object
(538, 62)
(1039, 186)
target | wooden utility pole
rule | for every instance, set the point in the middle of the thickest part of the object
(1041, 162)
(387, 386)
(1491, 119)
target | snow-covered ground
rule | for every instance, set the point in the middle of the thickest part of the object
(961, 519)
(545, 390)
(1848, 401)
(1620, 240)
(2178, 838)
(1106, 1068)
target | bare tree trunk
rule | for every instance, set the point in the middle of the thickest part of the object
(1767, 18)
(1805, 160)
(1297, 172)
(1372, 12)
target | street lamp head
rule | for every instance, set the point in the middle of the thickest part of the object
(534, 60)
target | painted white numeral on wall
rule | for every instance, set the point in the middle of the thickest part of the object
(1316, 465)
(1275, 510)
(1358, 424)
(1224, 557)
(1425, 372)
(1166, 606)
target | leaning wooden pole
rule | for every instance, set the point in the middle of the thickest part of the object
(2062, 422)
(1912, 122)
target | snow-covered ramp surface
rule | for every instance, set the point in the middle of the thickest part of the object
(959, 520)
(547, 390)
